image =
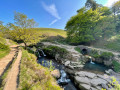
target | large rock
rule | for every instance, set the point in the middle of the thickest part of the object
(86, 74)
(98, 81)
(91, 81)
(84, 86)
(82, 80)
(55, 73)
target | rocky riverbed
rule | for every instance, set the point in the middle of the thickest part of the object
(74, 63)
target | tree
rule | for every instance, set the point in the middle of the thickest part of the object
(27, 36)
(116, 8)
(22, 21)
(89, 25)
(81, 26)
(91, 4)
(23, 31)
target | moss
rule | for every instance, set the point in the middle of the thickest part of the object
(52, 50)
(116, 66)
(33, 76)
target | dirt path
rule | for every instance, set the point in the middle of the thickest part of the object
(5, 61)
(12, 78)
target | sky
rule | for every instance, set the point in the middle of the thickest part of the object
(48, 13)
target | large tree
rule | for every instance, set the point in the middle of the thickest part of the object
(81, 28)
(23, 21)
(22, 29)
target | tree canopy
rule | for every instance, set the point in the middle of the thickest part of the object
(22, 29)
(90, 25)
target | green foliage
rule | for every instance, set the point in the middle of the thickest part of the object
(116, 66)
(49, 65)
(106, 55)
(94, 53)
(22, 21)
(115, 7)
(91, 4)
(77, 49)
(33, 76)
(53, 50)
(115, 83)
(85, 27)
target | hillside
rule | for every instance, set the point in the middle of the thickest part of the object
(51, 32)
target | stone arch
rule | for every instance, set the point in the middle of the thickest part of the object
(84, 51)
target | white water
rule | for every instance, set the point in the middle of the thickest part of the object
(63, 77)
(43, 53)
(39, 54)
(91, 61)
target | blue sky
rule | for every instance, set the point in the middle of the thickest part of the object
(48, 13)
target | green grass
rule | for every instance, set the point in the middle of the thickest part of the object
(51, 32)
(2, 40)
(12, 42)
(116, 66)
(115, 46)
(77, 49)
(4, 49)
(33, 76)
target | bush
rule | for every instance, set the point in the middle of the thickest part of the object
(52, 50)
(3, 47)
(4, 50)
(116, 66)
(106, 55)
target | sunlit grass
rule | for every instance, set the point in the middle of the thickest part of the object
(33, 76)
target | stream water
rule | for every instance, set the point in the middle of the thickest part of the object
(95, 67)
(46, 62)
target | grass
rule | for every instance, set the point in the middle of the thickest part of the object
(116, 66)
(12, 42)
(33, 76)
(77, 49)
(115, 46)
(51, 32)
(2, 40)
(4, 49)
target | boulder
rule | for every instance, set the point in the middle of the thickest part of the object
(97, 81)
(86, 74)
(84, 86)
(55, 73)
(82, 80)
(67, 63)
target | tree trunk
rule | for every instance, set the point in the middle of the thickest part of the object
(25, 45)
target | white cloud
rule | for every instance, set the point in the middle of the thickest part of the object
(110, 3)
(51, 9)
(54, 21)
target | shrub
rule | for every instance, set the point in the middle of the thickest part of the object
(52, 50)
(116, 66)
(4, 50)
(106, 55)
(3, 47)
